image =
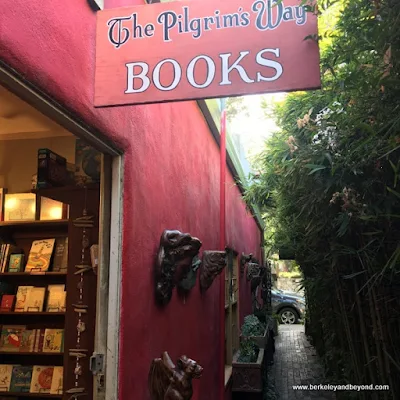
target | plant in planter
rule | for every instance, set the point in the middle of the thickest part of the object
(247, 366)
(254, 329)
(248, 352)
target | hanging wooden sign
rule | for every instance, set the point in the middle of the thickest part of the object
(203, 49)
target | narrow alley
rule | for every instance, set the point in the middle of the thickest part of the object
(296, 363)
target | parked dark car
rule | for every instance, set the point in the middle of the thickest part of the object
(290, 307)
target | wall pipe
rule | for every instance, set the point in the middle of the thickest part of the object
(222, 243)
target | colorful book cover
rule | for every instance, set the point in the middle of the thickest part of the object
(27, 340)
(35, 299)
(42, 377)
(16, 263)
(57, 381)
(40, 255)
(22, 298)
(7, 302)
(21, 379)
(5, 377)
(53, 341)
(10, 339)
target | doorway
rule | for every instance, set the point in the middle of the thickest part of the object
(30, 121)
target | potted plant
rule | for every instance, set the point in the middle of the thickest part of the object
(255, 330)
(247, 374)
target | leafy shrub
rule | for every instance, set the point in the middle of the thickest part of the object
(252, 326)
(248, 351)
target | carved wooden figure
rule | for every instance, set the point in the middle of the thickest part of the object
(253, 270)
(244, 260)
(213, 264)
(169, 382)
(174, 261)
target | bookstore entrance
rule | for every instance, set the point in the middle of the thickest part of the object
(56, 209)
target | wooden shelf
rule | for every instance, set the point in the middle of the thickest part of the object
(31, 353)
(31, 313)
(63, 193)
(40, 395)
(34, 224)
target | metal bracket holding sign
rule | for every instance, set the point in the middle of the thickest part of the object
(96, 5)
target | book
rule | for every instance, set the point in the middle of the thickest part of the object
(27, 340)
(60, 261)
(21, 379)
(40, 255)
(42, 377)
(58, 288)
(35, 299)
(10, 338)
(53, 341)
(7, 302)
(56, 301)
(39, 340)
(5, 377)
(7, 249)
(16, 263)
(22, 298)
(57, 381)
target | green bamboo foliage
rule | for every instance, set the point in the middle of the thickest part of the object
(328, 183)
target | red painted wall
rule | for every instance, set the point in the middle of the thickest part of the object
(171, 181)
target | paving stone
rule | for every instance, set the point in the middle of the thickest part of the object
(296, 363)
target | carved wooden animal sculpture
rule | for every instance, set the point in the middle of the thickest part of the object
(169, 382)
(252, 270)
(174, 261)
(213, 264)
(244, 260)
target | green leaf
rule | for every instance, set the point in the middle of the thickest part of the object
(397, 194)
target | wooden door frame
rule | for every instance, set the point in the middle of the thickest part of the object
(111, 209)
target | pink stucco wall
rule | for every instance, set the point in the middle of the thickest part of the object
(171, 181)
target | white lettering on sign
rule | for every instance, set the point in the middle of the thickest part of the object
(226, 68)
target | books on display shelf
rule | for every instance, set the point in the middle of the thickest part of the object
(31, 379)
(32, 299)
(19, 338)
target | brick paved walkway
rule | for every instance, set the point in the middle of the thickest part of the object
(296, 363)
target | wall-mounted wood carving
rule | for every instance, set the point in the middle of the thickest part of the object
(189, 282)
(213, 264)
(169, 382)
(253, 270)
(174, 261)
(244, 260)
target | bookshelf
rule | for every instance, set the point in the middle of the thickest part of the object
(23, 234)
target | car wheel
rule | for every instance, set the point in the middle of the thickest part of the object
(288, 316)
